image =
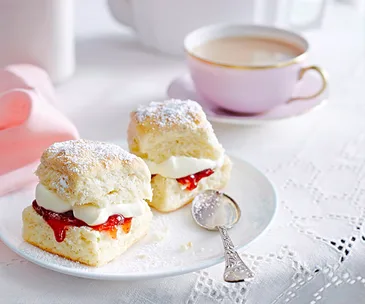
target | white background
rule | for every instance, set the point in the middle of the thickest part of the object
(317, 163)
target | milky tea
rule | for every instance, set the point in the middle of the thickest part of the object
(247, 51)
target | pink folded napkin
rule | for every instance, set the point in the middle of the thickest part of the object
(29, 123)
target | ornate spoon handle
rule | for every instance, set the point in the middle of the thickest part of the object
(236, 270)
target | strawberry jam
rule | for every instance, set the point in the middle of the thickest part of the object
(111, 225)
(59, 222)
(191, 181)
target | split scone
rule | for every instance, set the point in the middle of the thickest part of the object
(90, 202)
(179, 146)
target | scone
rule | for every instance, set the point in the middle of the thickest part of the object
(179, 146)
(90, 202)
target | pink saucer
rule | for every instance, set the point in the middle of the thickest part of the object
(183, 88)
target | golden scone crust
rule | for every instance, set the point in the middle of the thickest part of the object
(172, 128)
(89, 172)
(83, 244)
(169, 195)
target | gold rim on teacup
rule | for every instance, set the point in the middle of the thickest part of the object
(280, 64)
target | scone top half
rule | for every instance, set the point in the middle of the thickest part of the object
(174, 138)
(94, 180)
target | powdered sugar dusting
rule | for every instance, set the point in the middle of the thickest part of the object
(205, 203)
(49, 258)
(63, 181)
(62, 185)
(80, 155)
(170, 112)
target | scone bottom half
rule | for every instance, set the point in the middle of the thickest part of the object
(90, 202)
(179, 145)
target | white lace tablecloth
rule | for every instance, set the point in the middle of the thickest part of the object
(315, 249)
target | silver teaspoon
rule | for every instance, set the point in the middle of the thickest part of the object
(214, 210)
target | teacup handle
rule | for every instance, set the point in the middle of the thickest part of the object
(323, 75)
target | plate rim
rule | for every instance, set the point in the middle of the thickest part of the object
(174, 271)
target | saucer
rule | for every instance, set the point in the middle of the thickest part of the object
(183, 88)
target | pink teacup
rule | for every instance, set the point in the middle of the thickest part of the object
(251, 88)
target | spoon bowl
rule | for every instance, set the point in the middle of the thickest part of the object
(212, 208)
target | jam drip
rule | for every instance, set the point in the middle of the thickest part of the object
(191, 181)
(59, 222)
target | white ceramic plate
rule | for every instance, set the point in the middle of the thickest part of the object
(183, 88)
(161, 253)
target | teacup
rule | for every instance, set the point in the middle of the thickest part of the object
(248, 68)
